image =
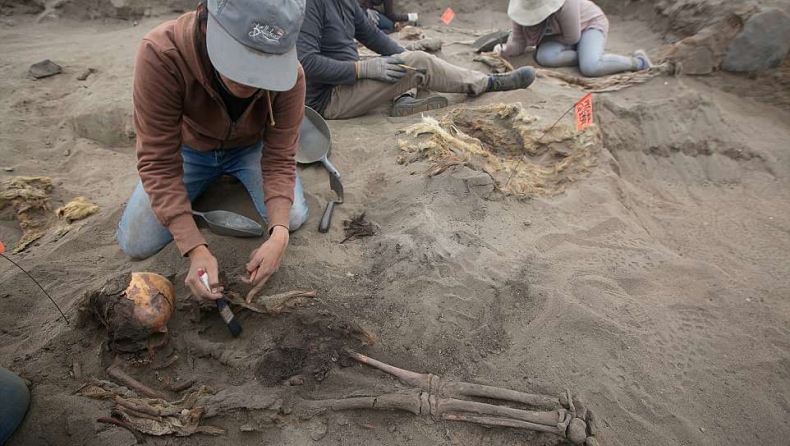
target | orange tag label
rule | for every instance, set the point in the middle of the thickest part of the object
(448, 16)
(2, 248)
(583, 111)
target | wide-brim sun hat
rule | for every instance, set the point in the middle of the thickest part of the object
(253, 42)
(532, 12)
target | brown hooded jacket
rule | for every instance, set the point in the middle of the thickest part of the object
(175, 103)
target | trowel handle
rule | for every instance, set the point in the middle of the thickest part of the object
(326, 219)
(330, 167)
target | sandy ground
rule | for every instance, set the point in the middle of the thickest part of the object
(656, 287)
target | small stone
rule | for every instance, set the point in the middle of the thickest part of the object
(318, 430)
(134, 23)
(392, 428)
(84, 75)
(762, 43)
(296, 380)
(8, 169)
(67, 152)
(527, 223)
(702, 429)
(44, 69)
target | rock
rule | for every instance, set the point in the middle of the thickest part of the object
(763, 43)
(43, 69)
(317, 429)
(84, 75)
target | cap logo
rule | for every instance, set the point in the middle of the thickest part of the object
(268, 32)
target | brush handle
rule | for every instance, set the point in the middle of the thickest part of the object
(228, 317)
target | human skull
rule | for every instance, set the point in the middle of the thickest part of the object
(135, 308)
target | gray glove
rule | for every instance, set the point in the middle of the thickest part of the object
(385, 69)
(373, 15)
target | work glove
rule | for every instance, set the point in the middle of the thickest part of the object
(413, 17)
(385, 69)
(499, 48)
(373, 15)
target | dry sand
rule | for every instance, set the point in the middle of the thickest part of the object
(657, 287)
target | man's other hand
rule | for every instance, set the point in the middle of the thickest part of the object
(265, 260)
(373, 15)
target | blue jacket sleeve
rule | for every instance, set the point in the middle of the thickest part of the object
(372, 37)
(317, 68)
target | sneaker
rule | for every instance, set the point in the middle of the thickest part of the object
(515, 80)
(643, 62)
(408, 105)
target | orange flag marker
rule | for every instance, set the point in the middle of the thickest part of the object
(583, 112)
(448, 16)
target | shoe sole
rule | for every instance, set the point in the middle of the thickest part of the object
(419, 106)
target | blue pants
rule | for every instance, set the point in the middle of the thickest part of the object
(385, 23)
(141, 235)
(14, 401)
(588, 54)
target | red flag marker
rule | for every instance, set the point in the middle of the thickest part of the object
(583, 112)
(448, 16)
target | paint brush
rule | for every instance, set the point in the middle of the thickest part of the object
(222, 305)
(419, 70)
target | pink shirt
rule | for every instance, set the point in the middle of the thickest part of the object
(565, 25)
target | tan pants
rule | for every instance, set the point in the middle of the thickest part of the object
(349, 101)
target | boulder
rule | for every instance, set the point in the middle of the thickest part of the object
(763, 43)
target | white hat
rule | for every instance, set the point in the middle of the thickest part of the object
(532, 12)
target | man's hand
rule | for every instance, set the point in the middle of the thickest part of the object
(499, 48)
(386, 69)
(265, 260)
(201, 258)
(373, 15)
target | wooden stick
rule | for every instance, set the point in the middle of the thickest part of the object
(412, 378)
(501, 422)
(115, 372)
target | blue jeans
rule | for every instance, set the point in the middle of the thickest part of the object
(588, 54)
(141, 235)
(14, 401)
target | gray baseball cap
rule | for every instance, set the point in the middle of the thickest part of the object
(253, 42)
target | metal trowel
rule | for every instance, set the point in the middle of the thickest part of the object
(337, 187)
(230, 224)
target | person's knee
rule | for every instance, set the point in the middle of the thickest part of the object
(589, 68)
(297, 216)
(138, 248)
(545, 59)
(418, 59)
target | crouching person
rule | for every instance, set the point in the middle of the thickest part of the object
(218, 91)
